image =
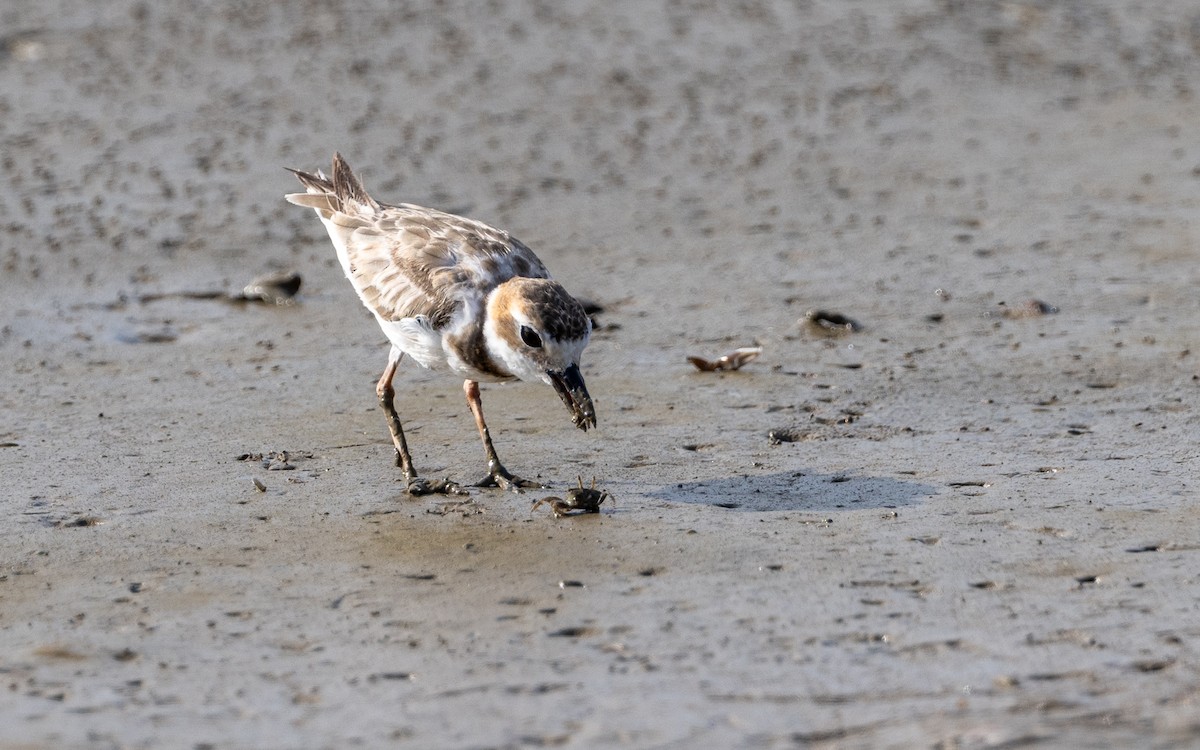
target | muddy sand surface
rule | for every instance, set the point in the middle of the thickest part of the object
(979, 528)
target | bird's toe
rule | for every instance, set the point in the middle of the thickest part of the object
(506, 480)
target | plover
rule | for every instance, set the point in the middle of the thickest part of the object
(452, 293)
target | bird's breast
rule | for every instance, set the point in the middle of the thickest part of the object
(468, 355)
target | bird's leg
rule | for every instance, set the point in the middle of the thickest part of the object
(387, 402)
(387, 397)
(498, 476)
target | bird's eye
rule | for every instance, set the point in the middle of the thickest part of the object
(531, 337)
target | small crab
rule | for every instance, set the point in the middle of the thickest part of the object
(582, 499)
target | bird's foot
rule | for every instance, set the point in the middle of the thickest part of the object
(418, 486)
(506, 480)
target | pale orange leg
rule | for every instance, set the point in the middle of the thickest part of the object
(387, 397)
(498, 476)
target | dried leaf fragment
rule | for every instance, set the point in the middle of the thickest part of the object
(730, 361)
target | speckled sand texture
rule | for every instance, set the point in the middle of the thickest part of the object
(984, 531)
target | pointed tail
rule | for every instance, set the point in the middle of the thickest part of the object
(344, 193)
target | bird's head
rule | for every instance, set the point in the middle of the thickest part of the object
(538, 332)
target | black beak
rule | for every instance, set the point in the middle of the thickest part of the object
(570, 387)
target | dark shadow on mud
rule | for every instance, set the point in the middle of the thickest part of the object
(799, 490)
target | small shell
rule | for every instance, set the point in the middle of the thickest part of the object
(827, 323)
(278, 288)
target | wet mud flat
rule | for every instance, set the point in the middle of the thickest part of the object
(950, 502)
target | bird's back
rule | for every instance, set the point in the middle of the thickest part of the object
(407, 261)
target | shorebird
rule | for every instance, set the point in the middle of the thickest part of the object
(452, 293)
